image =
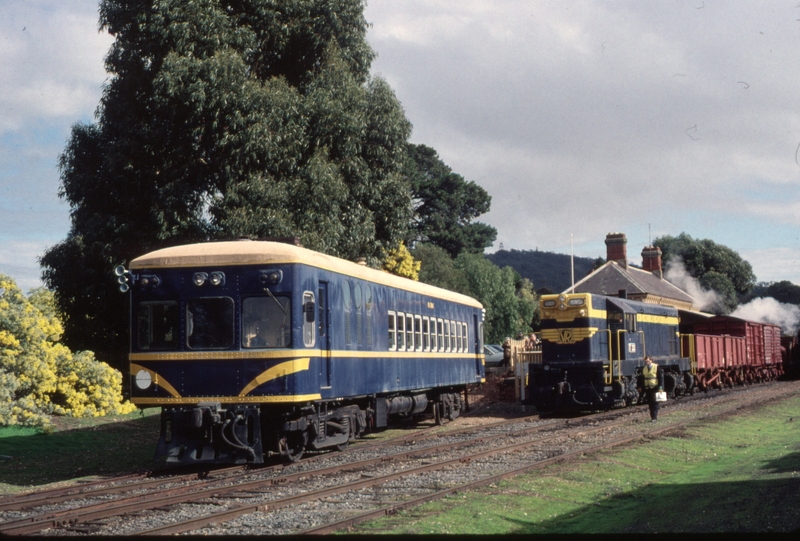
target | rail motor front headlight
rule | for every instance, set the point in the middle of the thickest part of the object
(143, 379)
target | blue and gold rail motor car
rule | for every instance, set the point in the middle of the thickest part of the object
(257, 348)
(593, 350)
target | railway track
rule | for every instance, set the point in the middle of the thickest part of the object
(335, 490)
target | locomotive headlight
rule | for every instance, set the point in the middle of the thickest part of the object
(149, 281)
(143, 379)
(199, 278)
(546, 367)
(217, 278)
(270, 277)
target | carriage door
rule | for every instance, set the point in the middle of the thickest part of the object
(323, 322)
(478, 326)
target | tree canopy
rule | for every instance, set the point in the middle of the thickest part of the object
(717, 267)
(509, 299)
(445, 205)
(220, 120)
(783, 291)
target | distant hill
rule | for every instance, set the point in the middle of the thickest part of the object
(544, 269)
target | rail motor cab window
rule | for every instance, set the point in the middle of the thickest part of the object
(266, 322)
(209, 323)
(158, 323)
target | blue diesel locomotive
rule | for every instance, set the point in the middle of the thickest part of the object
(260, 348)
(593, 350)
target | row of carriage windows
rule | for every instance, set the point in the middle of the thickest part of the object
(411, 332)
(266, 323)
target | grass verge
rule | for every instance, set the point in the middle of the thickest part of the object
(741, 474)
(77, 448)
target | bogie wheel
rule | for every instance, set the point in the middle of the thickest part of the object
(437, 413)
(292, 448)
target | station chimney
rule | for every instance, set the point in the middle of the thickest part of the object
(651, 260)
(617, 249)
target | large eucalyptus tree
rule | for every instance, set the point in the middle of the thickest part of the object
(224, 119)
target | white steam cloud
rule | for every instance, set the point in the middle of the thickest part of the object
(677, 275)
(762, 310)
(768, 310)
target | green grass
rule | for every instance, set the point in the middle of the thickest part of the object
(738, 475)
(76, 449)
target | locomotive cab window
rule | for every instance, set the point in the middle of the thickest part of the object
(266, 322)
(157, 325)
(209, 323)
(630, 322)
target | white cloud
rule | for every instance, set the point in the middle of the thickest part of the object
(50, 61)
(589, 117)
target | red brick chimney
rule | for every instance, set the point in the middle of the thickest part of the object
(616, 248)
(651, 260)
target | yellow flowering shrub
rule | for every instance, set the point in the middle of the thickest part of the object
(399, 261)
(39, 376)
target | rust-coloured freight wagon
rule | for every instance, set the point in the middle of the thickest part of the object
(727, 350)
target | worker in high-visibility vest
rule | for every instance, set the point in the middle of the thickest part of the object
(653, 383)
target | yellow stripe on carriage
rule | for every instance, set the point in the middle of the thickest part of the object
(157, 379)
(279, 370)
(285, 353)
(191, 400)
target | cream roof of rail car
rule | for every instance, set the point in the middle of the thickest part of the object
(265, 253)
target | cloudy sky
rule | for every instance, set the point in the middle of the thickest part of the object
(579, 118)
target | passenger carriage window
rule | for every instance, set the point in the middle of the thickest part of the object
(209, 323)
(401, 331)
(440, 333)
(348, 306)
(157, 325)
(426, 339)
(418, 332)
(392, 332)
(266, 322)
(460, 341)
(409, 332)
(434, 340)
(357, 299)
(464, 347)
(453, 336)
(446, 335)
(369, 305)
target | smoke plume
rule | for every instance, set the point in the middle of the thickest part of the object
(768, 310)
(677, 275)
